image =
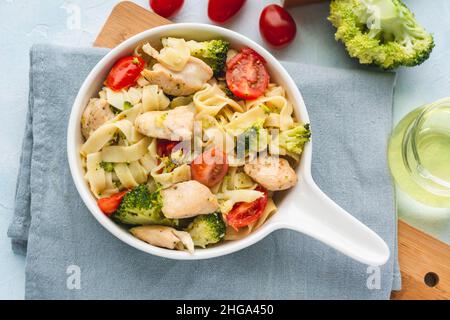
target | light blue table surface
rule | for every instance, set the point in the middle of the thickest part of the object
(77, 22)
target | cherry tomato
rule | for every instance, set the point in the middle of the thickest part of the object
(210, 167)
(245, 213)
(277, 26)
(125, 72)
(164, 147)
(166, 8)
(110, 205)
(222, 10)
(247, 77)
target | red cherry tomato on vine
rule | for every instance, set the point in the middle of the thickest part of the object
(246, 76)
(245, 213)
(166, 8)
(277, 26)
(125, 72)
(222, 10)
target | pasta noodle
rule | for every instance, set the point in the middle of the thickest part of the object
(211, 100)
(280, 110)
(125, 154)
(153, 98)
(95, 173)
(167, 179)
(235, 187)
(129, 114)
(219, 138)
(174, 55)
(118, 98)
(245, 120)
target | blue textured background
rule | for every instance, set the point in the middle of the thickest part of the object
(25, 22)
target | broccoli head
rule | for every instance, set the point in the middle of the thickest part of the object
(140, 206)
(207, 229)
(293, 140)
(380, 32)
(213, 53)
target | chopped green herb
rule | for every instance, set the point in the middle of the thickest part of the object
(127, 105)
(107, 166)
(136, 61)
(160, 119)
(265, 108)
(169, 165)
(115, 110)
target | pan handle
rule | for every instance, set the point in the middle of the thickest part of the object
(311, 212)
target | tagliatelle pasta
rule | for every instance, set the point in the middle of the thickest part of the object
(211, 100)
(243, 121)
(95, 174)
(174, 55)
(167, 179)
(279, 108)
(174, 146)
(153, 98)
(125, 153)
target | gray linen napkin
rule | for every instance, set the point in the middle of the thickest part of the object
(350, 114)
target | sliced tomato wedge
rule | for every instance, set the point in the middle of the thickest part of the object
(165, 147)
(247, 76)
(245, 213)
(210, 167)
(125, 72)
(109, 205)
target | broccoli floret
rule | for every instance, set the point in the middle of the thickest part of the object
(380, 32)
(293, 140)
(213, 53)
(206, 229)
(140, 206)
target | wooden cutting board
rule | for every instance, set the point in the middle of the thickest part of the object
(420, 255)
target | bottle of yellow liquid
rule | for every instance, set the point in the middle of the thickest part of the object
(419, 154)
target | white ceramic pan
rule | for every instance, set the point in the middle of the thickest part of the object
(304, 208)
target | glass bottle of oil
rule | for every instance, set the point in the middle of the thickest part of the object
(419, 154)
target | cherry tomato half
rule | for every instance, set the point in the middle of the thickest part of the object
(277, 26)
(109, 205)
(125, 72)
(164, 147)
(210, 167)
(166, 8)
(245, 213)
(222, 10)
(247, 77)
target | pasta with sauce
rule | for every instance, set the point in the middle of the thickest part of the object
(186, 148)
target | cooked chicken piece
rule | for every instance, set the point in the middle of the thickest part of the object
(175, 125)
(180, 83)
(97, 112)
(188, 199)
(166, 237)
(272, 173)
